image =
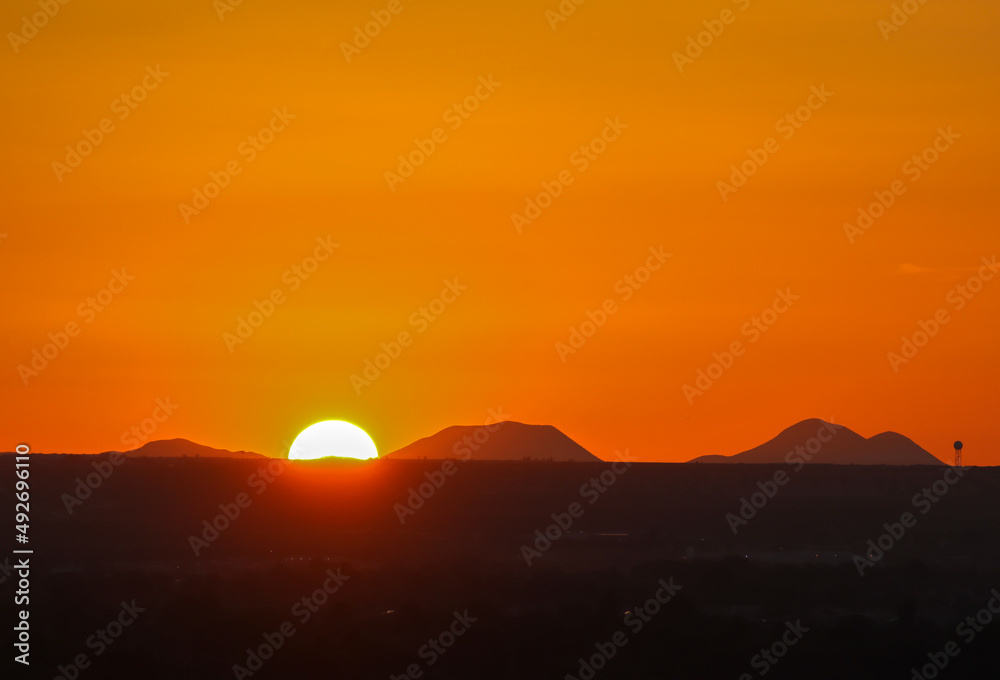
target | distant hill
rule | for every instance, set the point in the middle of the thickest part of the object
(178, 448)
(845, 447)
(509, 441)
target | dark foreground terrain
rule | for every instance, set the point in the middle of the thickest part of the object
(336, 570)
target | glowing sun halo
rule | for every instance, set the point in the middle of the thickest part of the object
(332, 438)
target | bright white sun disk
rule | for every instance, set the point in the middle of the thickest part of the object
(332, 438)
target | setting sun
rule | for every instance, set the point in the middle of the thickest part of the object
(332, 438)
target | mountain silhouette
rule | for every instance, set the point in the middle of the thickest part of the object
(845, 447)
(178, 448)
(509, 440)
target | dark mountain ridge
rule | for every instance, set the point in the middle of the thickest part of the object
(843, 446)
(507, 440)
(180, 448)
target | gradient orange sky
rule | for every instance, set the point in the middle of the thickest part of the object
(323, 175)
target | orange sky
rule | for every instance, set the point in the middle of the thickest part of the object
(322, 174)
